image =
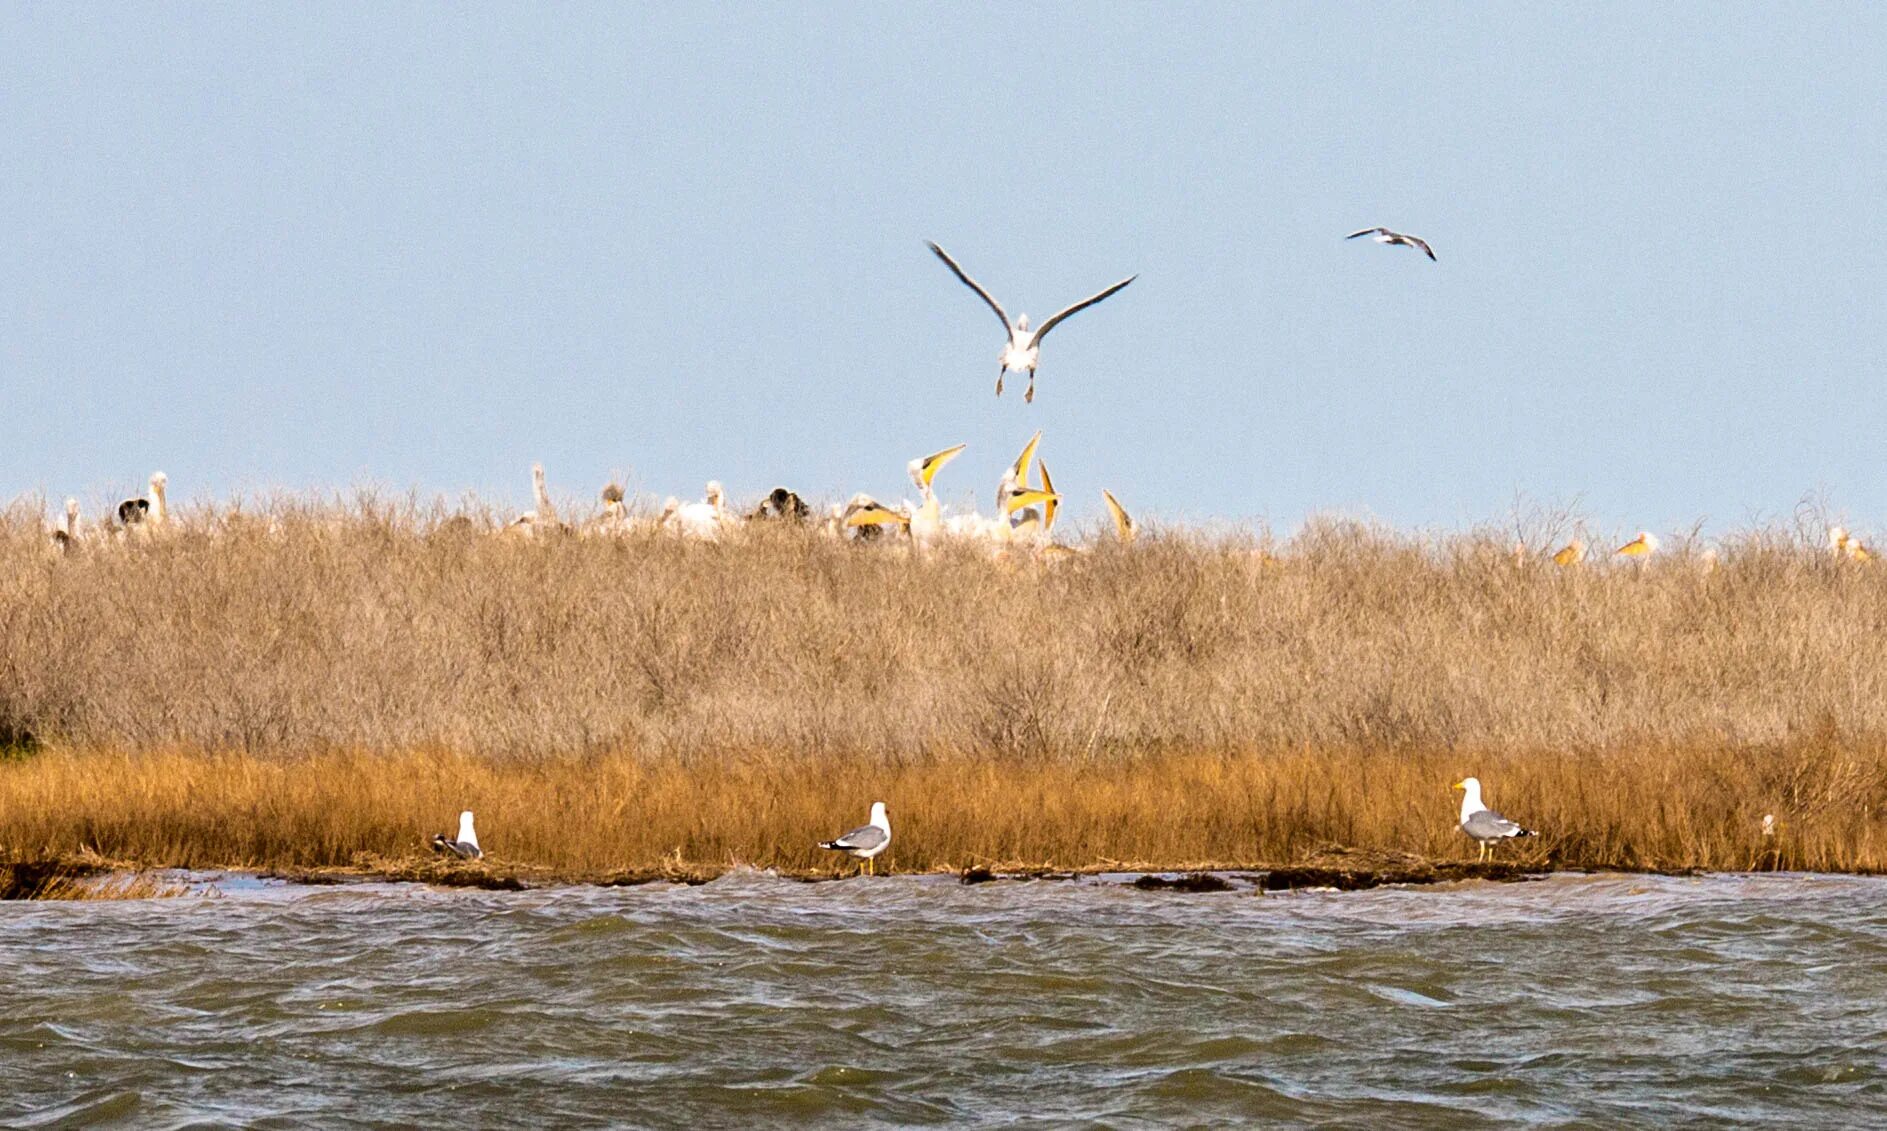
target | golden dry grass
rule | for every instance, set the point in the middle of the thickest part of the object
(308, 682)
(586, 816)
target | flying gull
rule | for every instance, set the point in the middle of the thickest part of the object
(867, 840)
(1384, 235)
(465, 845)
(1024, 347)
(1482, 823)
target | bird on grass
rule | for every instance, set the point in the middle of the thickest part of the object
(1385, 236)
(1642, 546)
(1571, 554)
(1123, 522)
(1024, 347)
(465, 845)
(866, 841)
(1482, 823)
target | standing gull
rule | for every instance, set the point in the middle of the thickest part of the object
(1384, 235)
(865, 841)
(1482, 823)
(465, 845)
(1024, 347)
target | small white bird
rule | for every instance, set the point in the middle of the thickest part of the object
(866, 841)
(1385, 236)
(1024, 347)
(465, 845)
(1482, 823)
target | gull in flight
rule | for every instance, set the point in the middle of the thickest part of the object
(1024, 347)
(1384, 235)
(867, 840)
(1482, 823)
(465, 845)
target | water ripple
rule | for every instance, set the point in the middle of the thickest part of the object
(754, 1000)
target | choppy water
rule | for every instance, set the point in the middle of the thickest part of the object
(754, 1001)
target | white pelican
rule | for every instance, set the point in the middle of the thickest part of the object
(1385, 236)
(1642, 546)
(867, 840)
(1024, 347)
(1571, 554)
(1845, 546)
(1482, 823)
(543, 520)
(703, 520)
(615, 516)
(465, 845)
(67, 537)
(783, 505)
(1123, 522)
(926, 521)
(150, 509)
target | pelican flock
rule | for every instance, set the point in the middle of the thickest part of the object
(1023, 350)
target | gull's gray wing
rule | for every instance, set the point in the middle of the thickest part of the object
(1042, 330)
(1423, 244)
(863, 837)
(970, 283)
(1367, 232)
(1489, 825)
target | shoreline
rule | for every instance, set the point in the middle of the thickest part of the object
(94, 878)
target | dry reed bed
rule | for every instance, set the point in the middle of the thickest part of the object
(388, 628)
(588, 816)
(251, 688)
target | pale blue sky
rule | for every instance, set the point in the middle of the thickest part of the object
(314, 246)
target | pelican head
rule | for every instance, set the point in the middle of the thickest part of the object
(714, 492)
(1837, 538)
(923, 470)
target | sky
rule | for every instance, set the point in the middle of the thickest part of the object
(418, 247)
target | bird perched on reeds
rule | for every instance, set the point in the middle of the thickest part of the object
(704, 520)
(543, 520)
(867, 840)
(1846, 546)
(1385, 236)
(1642, 546)
(781, 505)
(1123, 522)
(1023, 350)
(1571, 554)
(1483, 824)
(465, 845)
(145, 513)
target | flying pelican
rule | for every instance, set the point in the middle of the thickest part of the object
(706, 519)
(465, 845)
(1123, 522)
(1482, 823)
(1571, 554)
(1024, 347)
(1385, 236)
(1644, 545)
(866, 841)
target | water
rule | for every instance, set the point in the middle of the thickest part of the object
(755, 1001)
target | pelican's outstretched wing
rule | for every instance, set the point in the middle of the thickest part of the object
(1423, 244)
(972, 284)
(1367, 232)
(1042, 331)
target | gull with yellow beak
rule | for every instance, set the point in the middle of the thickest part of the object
(867, 840)
(1023, 350)
(1482, 823)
